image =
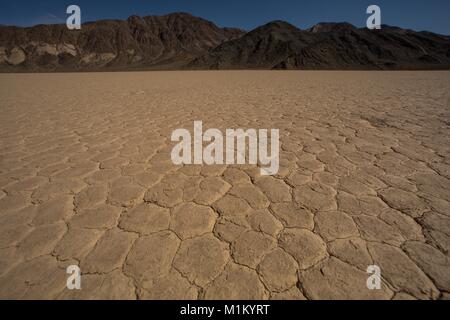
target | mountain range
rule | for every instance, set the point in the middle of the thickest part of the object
(182, 41)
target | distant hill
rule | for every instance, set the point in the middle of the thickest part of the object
(279, 45)
(182, 41)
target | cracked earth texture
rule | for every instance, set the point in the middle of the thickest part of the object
(86, 178)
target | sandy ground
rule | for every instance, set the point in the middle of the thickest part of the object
(86, 178)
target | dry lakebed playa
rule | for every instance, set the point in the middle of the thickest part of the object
(86, 179)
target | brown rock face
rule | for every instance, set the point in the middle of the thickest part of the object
(139, 42)
(180, 41)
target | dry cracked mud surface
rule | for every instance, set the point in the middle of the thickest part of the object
(86, 178)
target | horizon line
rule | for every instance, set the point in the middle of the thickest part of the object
(232, 27)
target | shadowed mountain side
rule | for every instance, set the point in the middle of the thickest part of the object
(279, 45)
(182, 41)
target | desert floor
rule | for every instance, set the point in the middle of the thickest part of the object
(86, 179)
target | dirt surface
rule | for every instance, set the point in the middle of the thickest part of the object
(86, 179)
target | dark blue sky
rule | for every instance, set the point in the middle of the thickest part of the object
(431, 15)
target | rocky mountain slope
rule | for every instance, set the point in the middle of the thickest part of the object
(182, 41)
(279, 45)
(138, 42)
